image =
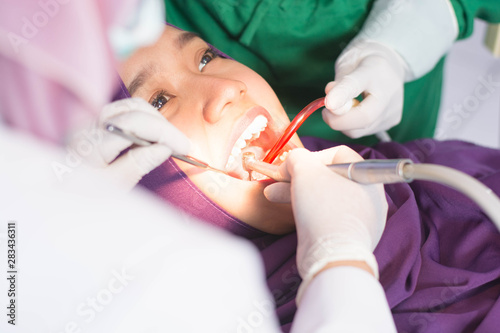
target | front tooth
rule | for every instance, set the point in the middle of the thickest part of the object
(236, 151)
(247, 135)
(253, 128)
(257, 125)
(261, 120)
(240, 143)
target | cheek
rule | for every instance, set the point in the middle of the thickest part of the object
(262, 93)
(261, 90)
(184, 119)
(190, 127)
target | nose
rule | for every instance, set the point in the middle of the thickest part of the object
(219, 96)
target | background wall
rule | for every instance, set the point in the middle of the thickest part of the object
(470, 108)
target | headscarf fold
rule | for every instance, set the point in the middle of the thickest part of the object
(56, 64)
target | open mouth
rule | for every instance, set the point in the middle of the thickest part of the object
(255, 133)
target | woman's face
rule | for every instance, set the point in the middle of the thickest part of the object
(225, 109)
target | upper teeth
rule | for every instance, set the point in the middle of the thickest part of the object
(252, 132)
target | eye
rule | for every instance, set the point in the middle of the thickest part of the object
(208, 56)
(160, 99)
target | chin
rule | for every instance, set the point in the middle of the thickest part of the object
(244, 200)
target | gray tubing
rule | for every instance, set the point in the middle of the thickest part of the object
(483, 196)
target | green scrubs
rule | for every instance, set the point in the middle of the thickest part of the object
(293, 44)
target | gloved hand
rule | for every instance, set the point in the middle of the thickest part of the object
(136, 116)
(400, 41)
(378, 73)
(336, 219)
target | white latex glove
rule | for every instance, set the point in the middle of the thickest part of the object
(399, 42)
(378, 73)
(336, 219)
(136, 116)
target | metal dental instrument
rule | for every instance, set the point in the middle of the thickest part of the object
(141, 142)
(398, 171)
(363, 172)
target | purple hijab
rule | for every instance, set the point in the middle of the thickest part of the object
(439, 256)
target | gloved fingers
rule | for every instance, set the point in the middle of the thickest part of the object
(373, 129)
(284, 168)
(136, 116)
(388, 119)
(347, 62)
(301, 157)
(329, 86)
(351, 79)
(152, 128)
(133, 165)
(147, 158)
(307, 167)
(278, 192)
(335, 217)
(342, 109)
(342, 91)
(134, 122)
(281, 192)
(111, 146)
(299, 160)
(362, 116)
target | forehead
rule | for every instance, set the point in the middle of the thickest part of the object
(171, 42)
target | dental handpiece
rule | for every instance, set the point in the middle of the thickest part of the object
(398, 171)
(363, 172)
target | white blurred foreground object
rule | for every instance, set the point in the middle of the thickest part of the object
(399, 42)
(135, 116)
(92, 259)
(44, 54)
(141, 26)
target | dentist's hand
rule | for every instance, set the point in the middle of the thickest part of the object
(376, 72)
(138, 117)
(337, 220)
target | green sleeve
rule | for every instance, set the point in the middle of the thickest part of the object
(467, 10)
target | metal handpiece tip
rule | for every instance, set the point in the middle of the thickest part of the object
(248, 158)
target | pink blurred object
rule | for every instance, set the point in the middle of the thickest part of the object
(56, 66)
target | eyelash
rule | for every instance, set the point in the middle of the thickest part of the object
(209, 52)
(161, 98)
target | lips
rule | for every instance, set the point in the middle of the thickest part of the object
(255, 132)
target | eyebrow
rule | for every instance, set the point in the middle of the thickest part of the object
(140, 79)
(147, 71)
(185, 38)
